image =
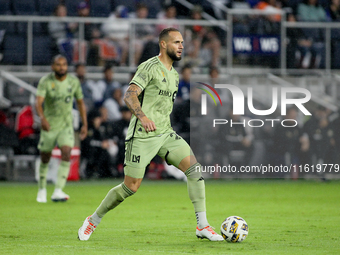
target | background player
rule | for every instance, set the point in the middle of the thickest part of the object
(57, 90)
(150, 98)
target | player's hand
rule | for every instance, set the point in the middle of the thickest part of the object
(105, 144)
(45, 125)
(148, 124)
(83, 132)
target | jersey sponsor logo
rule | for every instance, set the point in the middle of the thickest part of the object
(165, 93)
(55, 99)
(136, 158)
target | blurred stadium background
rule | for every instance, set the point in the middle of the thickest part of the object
(258, 44)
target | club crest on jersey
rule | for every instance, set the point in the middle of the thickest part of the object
(67, 99)
(163, 74)
(53, 85)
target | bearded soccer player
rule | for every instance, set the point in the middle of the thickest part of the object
(54, 102)
(150, 98)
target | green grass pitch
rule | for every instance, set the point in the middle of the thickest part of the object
(284, 217)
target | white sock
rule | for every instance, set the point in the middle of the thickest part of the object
(95, 219)
(201, 218)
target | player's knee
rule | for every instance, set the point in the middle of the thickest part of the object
(45, 160)
(133, 186)
(194, 171)
(187, 162)
(65, 153)
(132, 183)
(65, 157)
(45, 157)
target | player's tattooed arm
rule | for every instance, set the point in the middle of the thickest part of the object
(132, 102)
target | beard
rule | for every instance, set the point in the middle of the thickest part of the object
(173, 56)
(60, 74)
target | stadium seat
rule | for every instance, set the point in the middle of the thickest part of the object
(5, 7)
(42, 54)
(14, 50)
(17, 95)
(22, 28)
(6, 10)
(9, 27)
(315, 33)
(46, 7)
(72, 6)
(335, 55)
(100, 8)
(26, 7)
(23, 168)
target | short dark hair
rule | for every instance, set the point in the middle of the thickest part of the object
(307, 2)
(212, 69)
(141, 6)
(187, 66)
(168, 6)
(165, 33)
(107, 67)
(55, 10)
(79, 65)
(54, 59)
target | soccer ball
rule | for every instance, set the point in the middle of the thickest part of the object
(234, 229)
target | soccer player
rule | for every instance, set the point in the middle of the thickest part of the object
(150, 98)
(56, 91)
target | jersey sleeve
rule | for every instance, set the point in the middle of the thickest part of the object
(142, 77)
(42, 86)
(78, 94)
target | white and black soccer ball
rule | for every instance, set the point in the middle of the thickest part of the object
(234, 229)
